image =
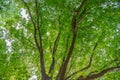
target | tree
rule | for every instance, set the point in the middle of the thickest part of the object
(71, 39)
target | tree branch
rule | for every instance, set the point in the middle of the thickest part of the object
(53, 53)
(63, 70)
(42, 65)
(75, 28)
(82, 16)
(88, 66)
(33, 22)
(63, 59)
(100, 74)
(37, 29)
(34, 25)
(70, 67)
(81, 6)
(76, 14)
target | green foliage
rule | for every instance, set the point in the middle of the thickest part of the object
(101, 24)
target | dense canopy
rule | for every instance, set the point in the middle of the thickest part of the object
(59, 39)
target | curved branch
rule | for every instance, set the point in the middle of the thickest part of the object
(100, 74)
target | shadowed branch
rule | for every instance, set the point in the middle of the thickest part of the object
(53, 53)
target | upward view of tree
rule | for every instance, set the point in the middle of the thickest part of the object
(59, 40)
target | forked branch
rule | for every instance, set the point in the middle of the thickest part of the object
(42, 64)
(75, 29)
(37, 31)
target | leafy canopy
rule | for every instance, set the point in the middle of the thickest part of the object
(59, 39)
